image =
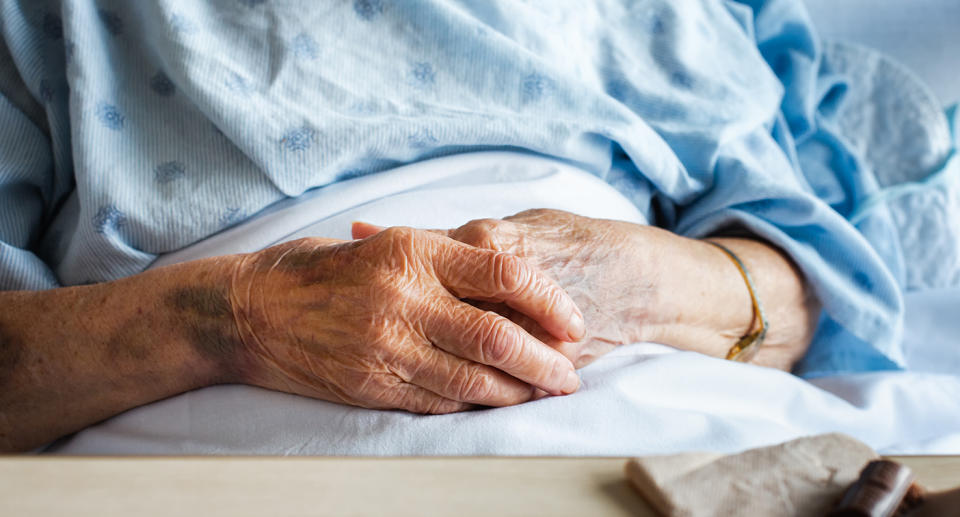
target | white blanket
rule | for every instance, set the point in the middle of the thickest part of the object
(640, 399)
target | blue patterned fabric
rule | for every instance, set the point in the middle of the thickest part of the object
(129, 129)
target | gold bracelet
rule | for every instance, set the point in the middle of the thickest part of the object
(748, 344)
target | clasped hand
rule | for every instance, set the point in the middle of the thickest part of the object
(492, 312)
(382, 323)
(605, 266)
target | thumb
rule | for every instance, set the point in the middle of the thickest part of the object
(361, 230)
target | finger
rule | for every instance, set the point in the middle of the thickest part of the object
(416, 399)
(539, 394)
(570, 350)
(487, 275)
(361, 230)
(458, 379)
(490, 339)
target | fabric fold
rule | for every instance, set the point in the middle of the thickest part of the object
(165, 123)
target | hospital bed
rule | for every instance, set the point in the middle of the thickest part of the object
(640, 399)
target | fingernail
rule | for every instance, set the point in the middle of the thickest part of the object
(577, 329)
(572, 383)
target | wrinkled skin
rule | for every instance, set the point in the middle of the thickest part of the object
(641, 283)
(600, 263)
(380, 323)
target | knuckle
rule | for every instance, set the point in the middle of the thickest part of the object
(511, 273)
(399, 236)
(499, 343)
(553, 298)
(482, 233)
(396, 231)
(483, 225)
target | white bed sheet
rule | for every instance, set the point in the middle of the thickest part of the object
(640, 399)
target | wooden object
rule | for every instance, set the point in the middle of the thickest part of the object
(258, 486)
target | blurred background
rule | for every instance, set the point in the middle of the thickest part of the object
(924, 35)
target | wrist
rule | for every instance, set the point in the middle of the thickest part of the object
(264, 288)
(184, 327)
(245, 293)
(200, 309)
(175, 325)
(704, 303)
(701, 302)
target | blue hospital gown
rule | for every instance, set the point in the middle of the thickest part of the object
(130, 129)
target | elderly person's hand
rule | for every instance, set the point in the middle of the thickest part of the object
(375, 323)
(641, 283)
(379, 323)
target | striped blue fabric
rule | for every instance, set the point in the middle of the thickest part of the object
(130, 129)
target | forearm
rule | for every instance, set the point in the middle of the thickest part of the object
(376, 323)
(710, 307)
(71, 357)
